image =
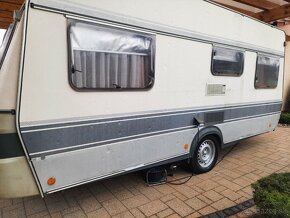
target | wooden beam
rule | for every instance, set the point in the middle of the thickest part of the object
(4, 25)
(6, 20)
(274, 14)
(287, 38)
(261, 4)
(18, 2)
(249, 13)
(4, 6)
(6, 14)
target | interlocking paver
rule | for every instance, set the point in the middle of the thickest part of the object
(180, 207)
(16, 210)
(196, 203)
(212, 195)
(151, 193)
(153, 207)
(222, 204)
(34, 206)
(137, 213)
(99, 213)
(76, 214)
(89, 204)
(114, 206)
(207, 210)
(126, 214)
(57, 206)
(229, 183)
(165, 213)
(167, 198)
(43, 214)
(135, 201)
(123, 193)
(175, 215)
(231, 194)
(208, 185)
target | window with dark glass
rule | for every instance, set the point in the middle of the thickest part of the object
(267, 72)
(227, 61)
(105, 57)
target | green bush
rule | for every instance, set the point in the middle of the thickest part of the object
(285, 118)
(272, 195)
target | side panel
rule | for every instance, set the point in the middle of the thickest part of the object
(102, 161)
(78, 137)
(16, 179)
(236, 130)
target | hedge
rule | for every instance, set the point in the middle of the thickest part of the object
(285, 118)
(272, 195)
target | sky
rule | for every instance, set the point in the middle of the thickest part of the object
(2, 32)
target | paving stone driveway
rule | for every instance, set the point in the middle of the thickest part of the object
(127, 196)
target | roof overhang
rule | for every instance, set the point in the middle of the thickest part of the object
(276, 12)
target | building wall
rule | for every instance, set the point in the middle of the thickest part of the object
(286, 91)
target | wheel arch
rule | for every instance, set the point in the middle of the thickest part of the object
(204, 132)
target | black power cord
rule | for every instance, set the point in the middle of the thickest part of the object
(173, 182)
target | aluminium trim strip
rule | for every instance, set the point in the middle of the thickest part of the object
(26, 126)
(103, 17)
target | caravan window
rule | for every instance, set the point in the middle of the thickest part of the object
(227, 62)
(267, 72)
(105, 57)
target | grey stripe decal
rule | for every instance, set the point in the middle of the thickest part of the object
(95, 133)
(94, 144)
(68, 9)
(10, 146)
(199, 111)
(99, 132)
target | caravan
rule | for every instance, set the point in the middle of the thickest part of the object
(95, 89)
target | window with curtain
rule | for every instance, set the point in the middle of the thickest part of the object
(267, 72)
(227, 61)
(106, 57)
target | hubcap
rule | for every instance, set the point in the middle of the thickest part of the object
(206, 153)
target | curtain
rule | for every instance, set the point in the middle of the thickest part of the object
(107, 57)
(105, 70)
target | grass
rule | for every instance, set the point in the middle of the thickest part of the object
(272, 195)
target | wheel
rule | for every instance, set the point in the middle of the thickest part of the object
(205, 155)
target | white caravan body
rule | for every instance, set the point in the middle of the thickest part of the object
(99, 88)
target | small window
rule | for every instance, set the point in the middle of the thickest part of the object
(227, 62)
(267, 72)
(105, 57)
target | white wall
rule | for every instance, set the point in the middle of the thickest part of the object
(2, 32)
(286, 95)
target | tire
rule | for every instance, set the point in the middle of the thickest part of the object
(205, 155)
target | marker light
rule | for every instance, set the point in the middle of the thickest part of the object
(51, 181)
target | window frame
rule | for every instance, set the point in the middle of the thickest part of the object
(118, 27)
(229, 48)
(257, 59)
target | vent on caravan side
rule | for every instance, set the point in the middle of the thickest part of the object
(215, 89)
